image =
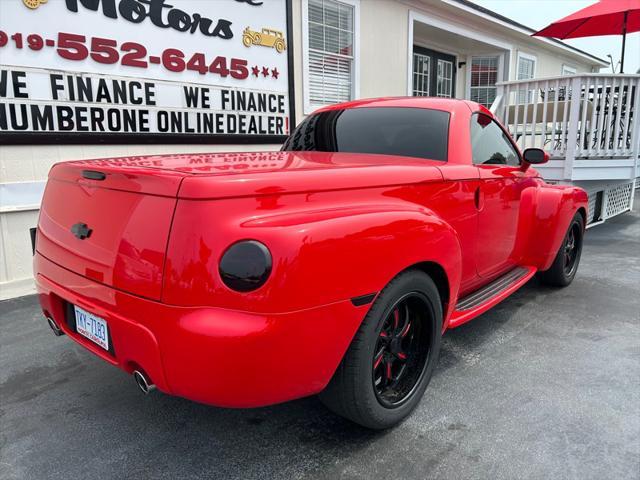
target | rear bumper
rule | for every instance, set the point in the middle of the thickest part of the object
(210, 355)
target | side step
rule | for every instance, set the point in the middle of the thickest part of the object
(491, 294)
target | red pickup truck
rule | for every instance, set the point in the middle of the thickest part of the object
(332, 267)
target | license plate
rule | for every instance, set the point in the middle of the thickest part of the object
(92, 327)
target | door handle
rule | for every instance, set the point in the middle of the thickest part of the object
(477, 198)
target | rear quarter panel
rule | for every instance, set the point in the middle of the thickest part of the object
(326, 246)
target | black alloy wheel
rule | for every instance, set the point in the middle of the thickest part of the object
(571, 248)
(389, 363)
(402, 350)
(565, 265)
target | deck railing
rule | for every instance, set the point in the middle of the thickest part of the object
(590, 116)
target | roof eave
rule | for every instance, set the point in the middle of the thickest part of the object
(519, 27)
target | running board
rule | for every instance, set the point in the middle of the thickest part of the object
(491, 294)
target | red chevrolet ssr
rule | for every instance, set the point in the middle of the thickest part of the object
(332, 267)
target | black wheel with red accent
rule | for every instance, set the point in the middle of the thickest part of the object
(401, 352)
(565, 265)
(389, 363)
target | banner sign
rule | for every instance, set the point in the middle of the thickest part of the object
(107, 70)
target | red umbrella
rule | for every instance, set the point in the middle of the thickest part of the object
(607, 17)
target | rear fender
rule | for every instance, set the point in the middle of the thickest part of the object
(320, 256)
(327, 249)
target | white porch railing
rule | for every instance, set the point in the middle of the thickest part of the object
(584, 121)
(589, 125)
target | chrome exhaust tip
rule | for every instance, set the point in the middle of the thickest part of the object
(144, 383)
(54, 327)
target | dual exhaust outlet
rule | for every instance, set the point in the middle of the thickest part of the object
(57, 331)
(143, 382)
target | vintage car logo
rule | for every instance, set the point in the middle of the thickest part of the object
(267, 38)
(33, 4)
(81, 230)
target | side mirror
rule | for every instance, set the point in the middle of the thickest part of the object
(534, 156)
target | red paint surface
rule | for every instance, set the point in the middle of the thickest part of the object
(338, 226)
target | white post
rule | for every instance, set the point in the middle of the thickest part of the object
(554, 123)
(606, 129)
(525, 119)
(593, 123)
(572, 134)
(635, 150)
(634, 86)
(565, 115)
(602, 104)
(583, 145)
(545, 121)
(506, 96)
(498, 102)
(618, 117)
(635, 132)
(534, 115)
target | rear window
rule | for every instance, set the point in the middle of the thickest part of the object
(409, 132)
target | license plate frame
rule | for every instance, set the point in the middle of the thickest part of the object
(92, 327)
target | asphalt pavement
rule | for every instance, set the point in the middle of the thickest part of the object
(545, 385)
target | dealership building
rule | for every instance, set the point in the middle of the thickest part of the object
(83, 79)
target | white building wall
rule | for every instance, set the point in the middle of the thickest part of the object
(548, 63)
(383, 48)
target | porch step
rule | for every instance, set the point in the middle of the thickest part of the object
(486, 297)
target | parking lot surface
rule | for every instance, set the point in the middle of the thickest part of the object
(545, 385)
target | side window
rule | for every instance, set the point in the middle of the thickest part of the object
(489, 144)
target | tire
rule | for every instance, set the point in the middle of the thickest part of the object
(378, 390)
(565, 265)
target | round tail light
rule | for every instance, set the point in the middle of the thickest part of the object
(245, 266)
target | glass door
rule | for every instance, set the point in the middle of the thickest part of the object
(434, 73)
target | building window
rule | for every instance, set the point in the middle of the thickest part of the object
(567, 70)
(484, 75)
(330, 51)
(421, 66)
(526, 71)
(445, 79)
(526, 67)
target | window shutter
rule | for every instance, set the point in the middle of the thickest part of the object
(484, 75)
(330, 51)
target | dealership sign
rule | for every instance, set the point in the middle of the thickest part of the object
(105, 70)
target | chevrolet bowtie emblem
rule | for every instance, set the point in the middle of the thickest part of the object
(81, 230)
